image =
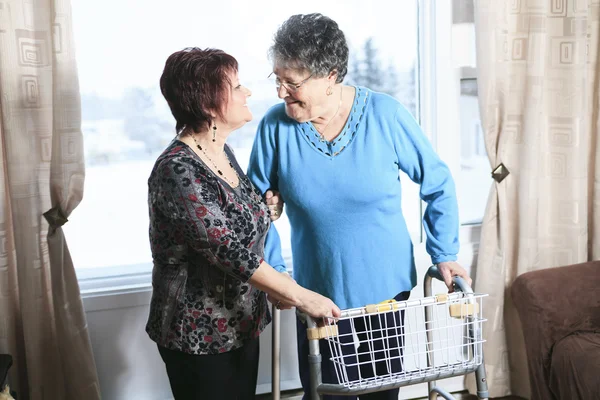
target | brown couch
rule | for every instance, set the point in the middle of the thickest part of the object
(559, 309)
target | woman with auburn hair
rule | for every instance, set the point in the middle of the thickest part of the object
(208, 225)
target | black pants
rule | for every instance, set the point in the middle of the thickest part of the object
(350, 354)
(228, 376)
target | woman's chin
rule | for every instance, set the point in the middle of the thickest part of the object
(248, 118)
(295, 113)
(242, 123)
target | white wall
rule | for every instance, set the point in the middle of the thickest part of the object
(130, 368)
(128, 363)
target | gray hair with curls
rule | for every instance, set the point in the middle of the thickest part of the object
(313, 42)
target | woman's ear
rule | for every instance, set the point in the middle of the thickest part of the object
(332, 77)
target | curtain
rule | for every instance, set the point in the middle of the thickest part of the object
(537, 62)
(42, 323)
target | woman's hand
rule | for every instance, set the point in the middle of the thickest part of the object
(311, 303)
(275, 204)
(281, 288)
(318, 306)
(448, 269)
(280, 305)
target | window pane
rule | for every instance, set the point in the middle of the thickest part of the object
(121, 49)
(474, 180)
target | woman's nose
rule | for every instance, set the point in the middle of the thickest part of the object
(285, 91)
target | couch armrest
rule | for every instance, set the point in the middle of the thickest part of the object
(553, 303)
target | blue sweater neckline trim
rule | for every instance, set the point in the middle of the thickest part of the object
(344, 139)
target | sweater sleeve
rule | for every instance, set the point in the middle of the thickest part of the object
(419, 161)
(192, 202)
(262, 171)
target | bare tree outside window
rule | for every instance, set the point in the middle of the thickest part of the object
(366, 69)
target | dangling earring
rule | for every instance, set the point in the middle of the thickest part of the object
(329, 91)
(214, 133)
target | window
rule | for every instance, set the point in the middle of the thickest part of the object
(474, 178)
(121, 50)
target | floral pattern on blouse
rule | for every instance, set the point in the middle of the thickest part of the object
(207, 239)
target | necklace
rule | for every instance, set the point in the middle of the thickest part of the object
(215, 165)
(322, 132)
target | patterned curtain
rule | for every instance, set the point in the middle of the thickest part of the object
(538, 90)
(42, 323)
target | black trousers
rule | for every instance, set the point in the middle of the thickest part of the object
(350, 354)
(228, 376)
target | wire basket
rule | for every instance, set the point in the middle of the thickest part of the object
(405, 342)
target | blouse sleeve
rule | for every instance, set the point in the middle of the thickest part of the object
(192, 202)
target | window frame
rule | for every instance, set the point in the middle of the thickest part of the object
(440, 81)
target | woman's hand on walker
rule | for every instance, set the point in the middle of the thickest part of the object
(318, 306)
(449, 269)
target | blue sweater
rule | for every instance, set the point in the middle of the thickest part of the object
(343, 199)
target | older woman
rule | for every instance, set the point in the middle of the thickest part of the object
(334, 153)
(207, 229)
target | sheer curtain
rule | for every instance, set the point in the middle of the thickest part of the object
(42, 323)
(538, 91)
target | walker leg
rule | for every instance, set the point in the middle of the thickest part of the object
(275, 354)
(480, 377)
(428, 318)
(314, 362)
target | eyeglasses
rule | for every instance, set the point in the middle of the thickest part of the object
(290, 87)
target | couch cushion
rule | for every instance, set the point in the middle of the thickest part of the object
(575, 366)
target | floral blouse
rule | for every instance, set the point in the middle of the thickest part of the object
(207, 239)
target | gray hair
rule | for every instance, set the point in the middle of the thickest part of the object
(313, 42)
